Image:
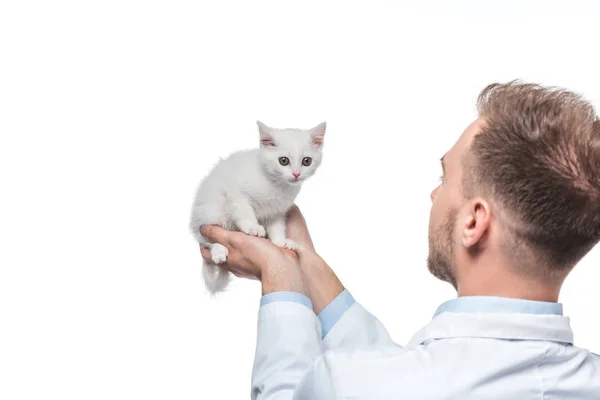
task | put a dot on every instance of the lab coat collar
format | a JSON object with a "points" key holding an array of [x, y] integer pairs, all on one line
{"points": [[495, 304], [498, 325]]}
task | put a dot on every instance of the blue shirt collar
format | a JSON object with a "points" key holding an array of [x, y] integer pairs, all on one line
{"points": [[492, 304]]}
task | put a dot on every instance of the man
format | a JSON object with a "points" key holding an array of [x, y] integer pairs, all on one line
{"points": [[518, 207]]}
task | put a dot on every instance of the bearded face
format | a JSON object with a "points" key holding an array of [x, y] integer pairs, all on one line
{"points": [[440, 261]]}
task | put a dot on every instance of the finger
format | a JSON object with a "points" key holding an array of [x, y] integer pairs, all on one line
{"points": [[238, 239], [238, 271], [243, 274], [206, 253], [233, 258], [291, 254], [297, 230], [215, 234], [237, 274], [236, 262]]}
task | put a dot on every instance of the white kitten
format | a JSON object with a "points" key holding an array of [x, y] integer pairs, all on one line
{"points": [[252, 191]]}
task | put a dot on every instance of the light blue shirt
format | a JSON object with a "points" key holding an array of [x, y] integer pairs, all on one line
{"points": [[492, 304], [332, 313]]}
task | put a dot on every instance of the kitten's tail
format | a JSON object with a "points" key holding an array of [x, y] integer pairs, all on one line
{"points": [[216, 279]]}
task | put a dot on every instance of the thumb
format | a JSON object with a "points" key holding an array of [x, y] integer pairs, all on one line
{"points": [[215, 234], [297, 230]]}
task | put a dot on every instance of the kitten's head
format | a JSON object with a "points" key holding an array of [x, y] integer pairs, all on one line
{"points": [[291, 155]]}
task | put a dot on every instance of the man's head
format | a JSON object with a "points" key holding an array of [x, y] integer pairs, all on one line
{"points": [[520, 195]]}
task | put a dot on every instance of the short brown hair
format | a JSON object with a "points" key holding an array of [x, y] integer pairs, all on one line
{"points": [[538, 157]]}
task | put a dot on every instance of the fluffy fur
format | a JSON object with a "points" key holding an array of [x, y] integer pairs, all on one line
{"points": [[252, 191]]}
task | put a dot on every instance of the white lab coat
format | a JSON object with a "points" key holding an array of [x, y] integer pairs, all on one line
{"points": [[456, 356]]}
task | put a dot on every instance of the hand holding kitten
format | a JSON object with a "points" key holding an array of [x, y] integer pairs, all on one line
{"points": [[278, 269], [257, 258]]}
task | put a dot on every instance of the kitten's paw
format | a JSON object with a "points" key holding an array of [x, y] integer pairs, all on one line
{"points": [[261, 231], [218, 253], [253, 230], [286, 243], [290, 244]]}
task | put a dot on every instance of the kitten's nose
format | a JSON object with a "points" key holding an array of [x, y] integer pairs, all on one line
{"points": [[296, 174]]}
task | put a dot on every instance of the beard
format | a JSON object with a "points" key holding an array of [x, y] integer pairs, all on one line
{"points": [[441, 254]]}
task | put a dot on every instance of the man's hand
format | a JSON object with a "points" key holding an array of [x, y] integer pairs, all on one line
{"points": [[257, 258], [321, 282], [303, 271], [297, 230]]}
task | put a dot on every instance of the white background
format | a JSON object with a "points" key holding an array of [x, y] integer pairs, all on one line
{"points": [[112, 111]]}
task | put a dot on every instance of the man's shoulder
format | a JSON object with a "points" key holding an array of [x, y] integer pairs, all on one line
{"points": [[348, 359], [394, 370], [437, 357], [377, 370], [595, 356]]}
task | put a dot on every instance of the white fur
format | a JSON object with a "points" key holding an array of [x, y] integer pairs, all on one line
{"points": [[251, 191]]}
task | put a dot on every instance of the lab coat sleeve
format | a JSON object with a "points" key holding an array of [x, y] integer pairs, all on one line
{"points": [[320, 383], [332, 313], [288, 344], [356, 327]]}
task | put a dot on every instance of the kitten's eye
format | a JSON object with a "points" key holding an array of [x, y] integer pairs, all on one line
{"points": [[284, 161], [306, 161]]}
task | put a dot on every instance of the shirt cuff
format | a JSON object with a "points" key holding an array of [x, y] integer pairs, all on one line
{"points": [[334, 311], [294, 297]]}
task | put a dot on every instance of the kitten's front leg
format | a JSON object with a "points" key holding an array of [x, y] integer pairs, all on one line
{"points": [[245, 219], [276, 232]]}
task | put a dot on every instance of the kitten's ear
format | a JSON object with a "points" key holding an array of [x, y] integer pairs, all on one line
{"points": [[318, 134], [266, 138]]}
